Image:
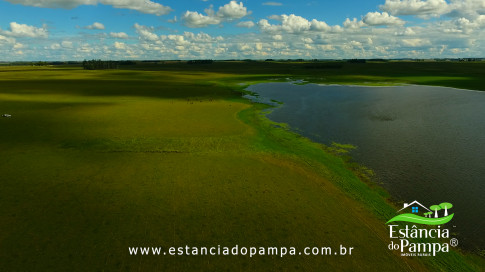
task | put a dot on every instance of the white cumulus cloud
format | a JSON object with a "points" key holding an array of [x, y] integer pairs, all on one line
{"points": [[145, 32], [119, 35], [95, 25], [55, 46], [17, 46], [277, 37], [470, 9], [326, 47], [353, 24], [6, 40], [67, 44], [228, 12], [144, 6], [377, 19], [322, 26], [416, 42], [23, 30], [406, 32], [232, 10], [195, 19], [295, 24], [289, 23], [416, 7], [120, 45], [247, 24], [464, 25]]}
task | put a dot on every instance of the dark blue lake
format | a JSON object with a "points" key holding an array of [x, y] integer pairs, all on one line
{"points": [[424, 143]]}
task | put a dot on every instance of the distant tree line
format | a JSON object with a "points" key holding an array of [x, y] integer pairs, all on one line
{"points": [[470, 59], [327, 65], [40, 63], [357, 61], [99, 64], [126, 62], [206, 61]]}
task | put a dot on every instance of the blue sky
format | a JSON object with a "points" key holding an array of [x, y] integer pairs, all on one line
{"points": [[225, 29]]}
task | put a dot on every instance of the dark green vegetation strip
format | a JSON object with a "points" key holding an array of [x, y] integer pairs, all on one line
{"points": [[466, 75], [93, 162]]}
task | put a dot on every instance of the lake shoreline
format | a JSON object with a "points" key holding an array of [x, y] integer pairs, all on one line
{"points": [[394, 200]]}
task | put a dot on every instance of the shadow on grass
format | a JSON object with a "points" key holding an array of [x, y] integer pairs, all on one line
{"points": [[118, 87]]}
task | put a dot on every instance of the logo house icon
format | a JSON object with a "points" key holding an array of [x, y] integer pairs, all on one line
{"points": [[415, 207], [411, 213]]}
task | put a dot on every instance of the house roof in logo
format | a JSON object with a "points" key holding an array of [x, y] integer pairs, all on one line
{"points": [[412, 203]]}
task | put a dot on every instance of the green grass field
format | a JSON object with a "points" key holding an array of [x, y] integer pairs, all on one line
{"points": [[94, 162]]}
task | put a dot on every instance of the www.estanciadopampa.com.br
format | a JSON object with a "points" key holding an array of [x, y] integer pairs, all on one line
{"points": [[240, 251]]}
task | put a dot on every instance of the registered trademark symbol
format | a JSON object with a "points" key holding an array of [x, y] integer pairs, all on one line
{"points": [[454, 242]]}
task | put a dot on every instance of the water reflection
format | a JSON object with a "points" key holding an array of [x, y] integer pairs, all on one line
{"points": [[424, 143]]}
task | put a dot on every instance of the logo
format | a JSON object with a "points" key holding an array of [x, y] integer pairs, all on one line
{"points": [[425, 239], [430, 218]]}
